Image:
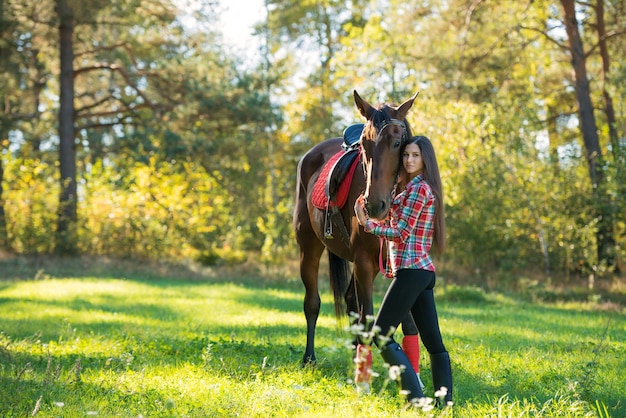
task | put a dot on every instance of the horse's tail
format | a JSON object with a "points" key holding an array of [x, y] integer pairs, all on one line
{"points": [[339, 270]]}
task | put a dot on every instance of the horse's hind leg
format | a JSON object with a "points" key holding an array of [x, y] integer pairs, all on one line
{"points": [[351, 299], [352, 308]]}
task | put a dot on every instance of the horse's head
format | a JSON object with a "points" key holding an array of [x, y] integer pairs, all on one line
{"points": [[384, 133]]}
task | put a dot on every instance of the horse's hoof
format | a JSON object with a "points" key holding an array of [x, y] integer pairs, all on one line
{"points": [[363, 388], [309, 361]]}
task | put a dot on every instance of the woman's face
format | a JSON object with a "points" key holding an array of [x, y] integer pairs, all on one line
{"points": [[412, 160]]}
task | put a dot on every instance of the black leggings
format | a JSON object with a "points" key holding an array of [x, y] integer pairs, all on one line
{"points": [[412, 290]]}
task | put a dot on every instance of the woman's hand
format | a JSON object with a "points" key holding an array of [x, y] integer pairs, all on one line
{"points": [[359, 210]]}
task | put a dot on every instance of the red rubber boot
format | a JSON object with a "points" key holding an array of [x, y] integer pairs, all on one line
{"points": [[411, 347]]}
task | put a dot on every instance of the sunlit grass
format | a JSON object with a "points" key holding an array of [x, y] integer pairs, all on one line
{"points": [[119, 347]]}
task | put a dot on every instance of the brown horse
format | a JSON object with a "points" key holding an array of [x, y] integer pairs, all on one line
{"points": [[385, 130]]}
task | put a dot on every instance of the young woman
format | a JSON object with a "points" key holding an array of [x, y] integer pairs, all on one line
{"points": [[416, 223]]}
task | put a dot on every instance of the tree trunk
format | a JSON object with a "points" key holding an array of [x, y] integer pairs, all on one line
{"points": [[606, 65], [66, 239], [619, 157], [4, 237], [4, 122], [604, 234], [553, 134]]}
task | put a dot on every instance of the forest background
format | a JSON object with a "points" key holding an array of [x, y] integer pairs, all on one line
{"points": [[127, 132]]}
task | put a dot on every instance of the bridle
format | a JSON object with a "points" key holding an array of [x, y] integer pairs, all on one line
{"points": [[380, 128], [387, 122]]}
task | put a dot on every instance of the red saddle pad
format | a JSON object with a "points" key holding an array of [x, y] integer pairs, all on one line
{"points": [[319, 197]]}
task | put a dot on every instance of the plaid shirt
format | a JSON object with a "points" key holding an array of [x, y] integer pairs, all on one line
{"points": [[409, 228]]}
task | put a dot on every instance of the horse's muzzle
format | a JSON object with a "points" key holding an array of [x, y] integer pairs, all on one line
{"points": [[377, 208]]}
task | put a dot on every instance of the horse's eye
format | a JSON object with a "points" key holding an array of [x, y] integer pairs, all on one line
{"points": [[396, 144]]}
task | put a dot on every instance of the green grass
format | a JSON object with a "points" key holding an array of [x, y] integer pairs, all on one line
{"points": [[79, 343]]}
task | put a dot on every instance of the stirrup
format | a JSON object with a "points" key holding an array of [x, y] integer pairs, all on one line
{"points": [[328, 225]]}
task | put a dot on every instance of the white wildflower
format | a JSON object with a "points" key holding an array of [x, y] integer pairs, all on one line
{"points": [[442, 392], [356, 328], [427, 408], [395, 372]]}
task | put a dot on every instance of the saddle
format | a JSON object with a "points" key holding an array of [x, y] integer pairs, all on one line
{"points": [[352, 136], [332, 187]]}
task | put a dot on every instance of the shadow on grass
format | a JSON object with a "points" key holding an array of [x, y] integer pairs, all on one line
{"points": [[37, 267]]}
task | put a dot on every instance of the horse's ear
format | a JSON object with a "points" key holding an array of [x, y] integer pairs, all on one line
{"points": [[404, 108], [364, 107]]}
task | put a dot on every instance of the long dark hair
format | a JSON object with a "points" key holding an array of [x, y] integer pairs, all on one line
{"points": [[432, 177]]}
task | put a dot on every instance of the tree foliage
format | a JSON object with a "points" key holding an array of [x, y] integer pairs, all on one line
{"points": [[184, 149]]}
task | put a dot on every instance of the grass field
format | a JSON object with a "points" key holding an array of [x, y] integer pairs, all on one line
{"points": [[114, 341]]}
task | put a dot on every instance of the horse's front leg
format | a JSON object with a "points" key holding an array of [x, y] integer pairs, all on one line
{"points": [[363, 288], [360, 300]]}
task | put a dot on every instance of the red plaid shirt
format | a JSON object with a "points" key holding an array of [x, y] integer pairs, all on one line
{"points": [[409, 228]]}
